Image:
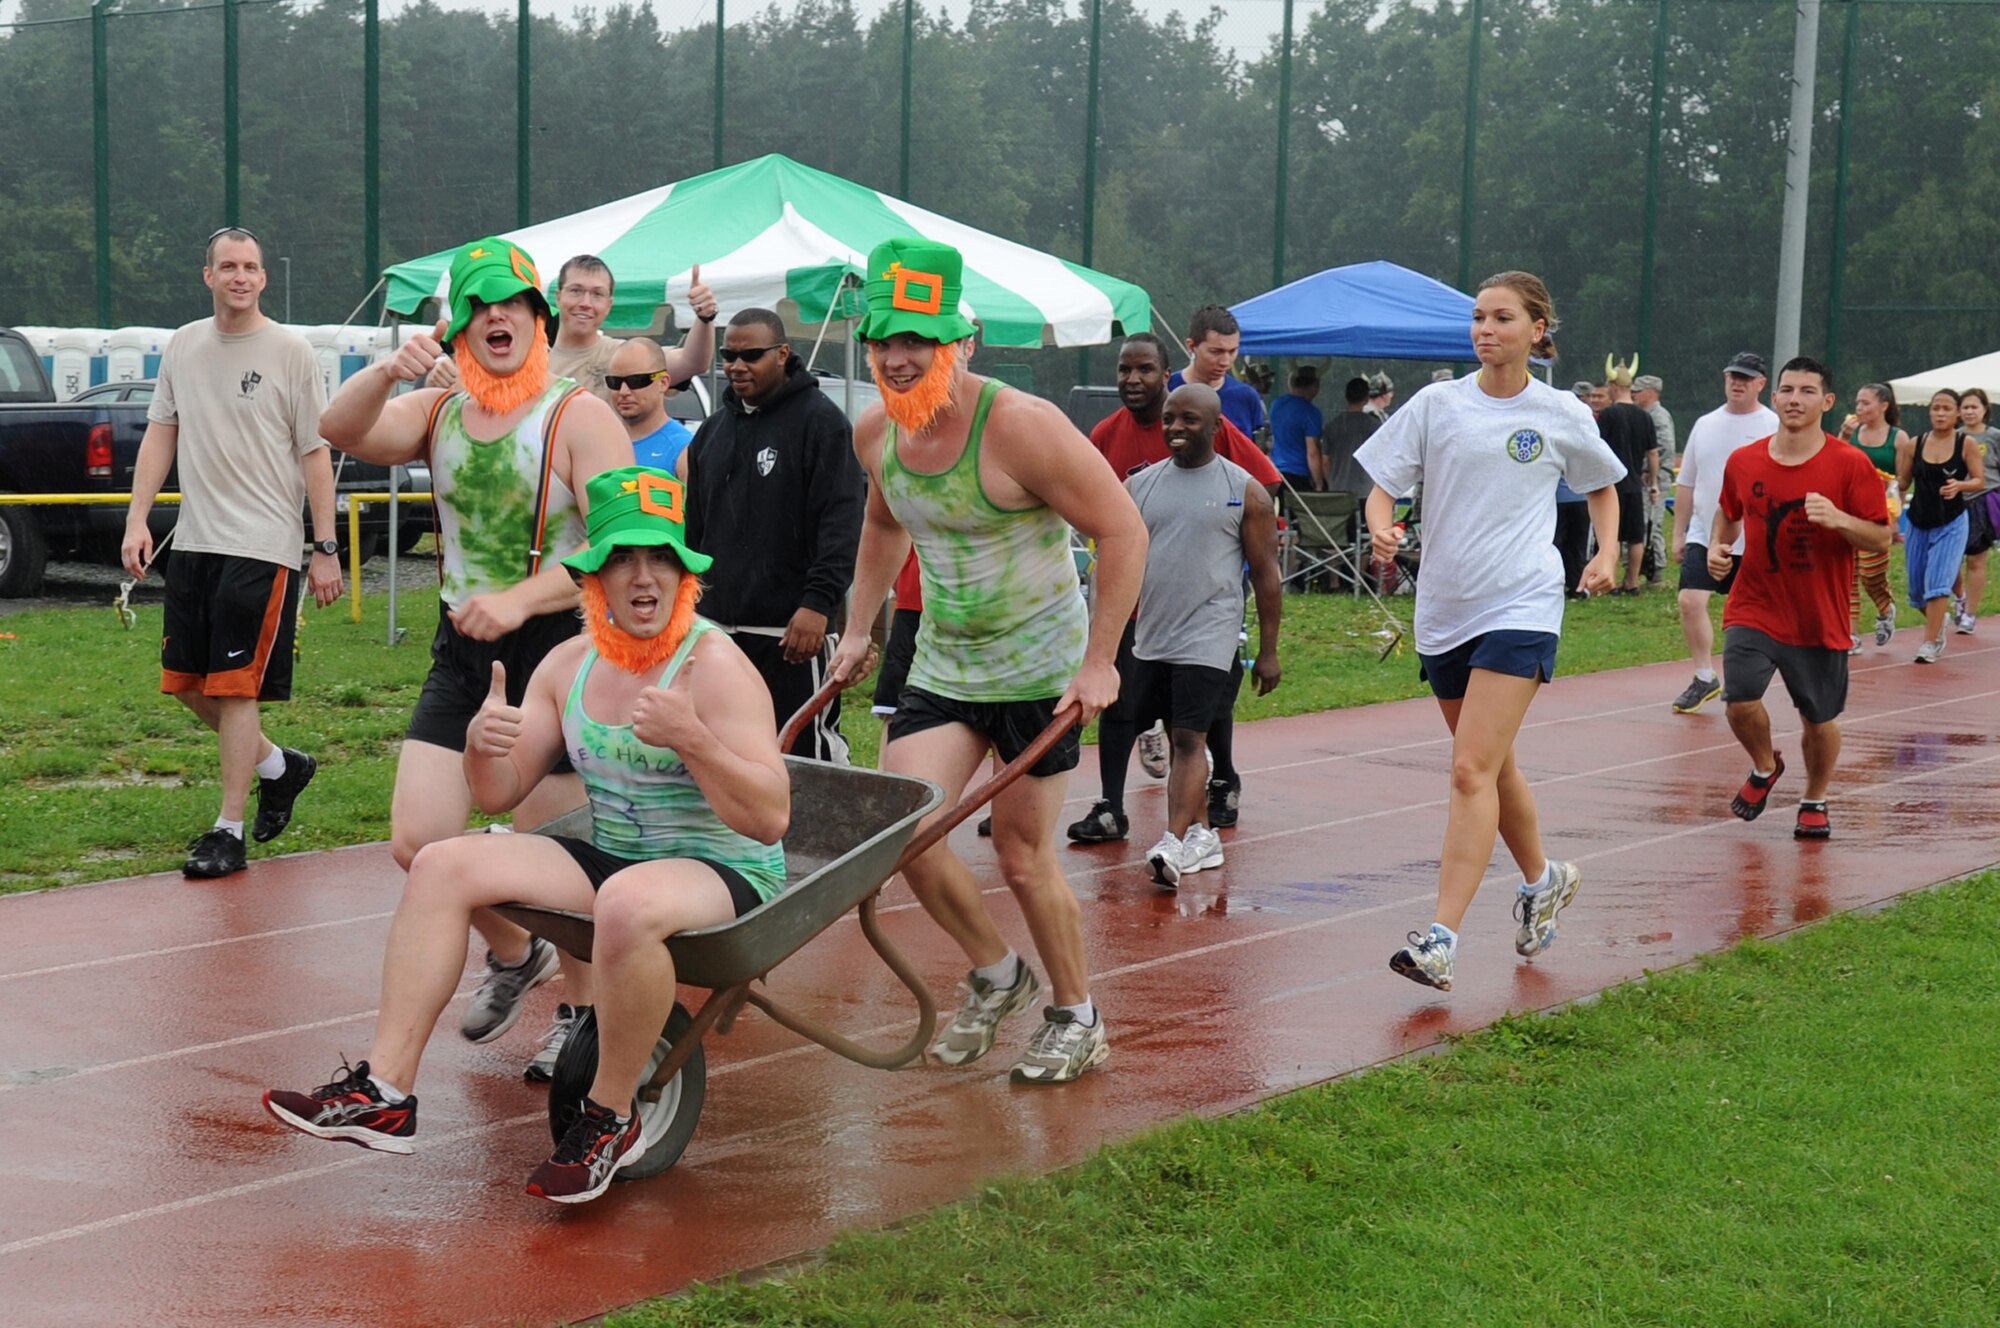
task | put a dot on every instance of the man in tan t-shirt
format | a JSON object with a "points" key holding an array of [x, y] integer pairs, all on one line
{"points": [[582, 352], [237, 407]]}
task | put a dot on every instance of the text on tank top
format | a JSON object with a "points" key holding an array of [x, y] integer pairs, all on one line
{"points": [[485, 493], [644, 803], [1004, 617]]}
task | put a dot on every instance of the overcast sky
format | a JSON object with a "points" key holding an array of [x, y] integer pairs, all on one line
{"points": [[1248, 25]]}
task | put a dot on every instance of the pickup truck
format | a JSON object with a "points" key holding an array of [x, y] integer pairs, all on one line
{"points": [[91, 445]]}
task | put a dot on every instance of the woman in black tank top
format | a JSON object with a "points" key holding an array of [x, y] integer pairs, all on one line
{"points": [[1975, 416], [1937, 471]]}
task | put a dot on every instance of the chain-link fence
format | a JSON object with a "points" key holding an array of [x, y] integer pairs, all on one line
{"points": [[1630, 151]]}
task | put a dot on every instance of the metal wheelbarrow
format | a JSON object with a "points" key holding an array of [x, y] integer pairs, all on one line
{"points": [[851, 830]]}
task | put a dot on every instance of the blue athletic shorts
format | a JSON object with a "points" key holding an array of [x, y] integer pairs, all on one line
{"points": [[1516, 654]]}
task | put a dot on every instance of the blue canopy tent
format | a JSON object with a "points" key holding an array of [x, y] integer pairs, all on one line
{"points": [[1364, 311]]}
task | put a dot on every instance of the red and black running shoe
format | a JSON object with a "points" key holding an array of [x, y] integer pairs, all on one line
{"points": [[351, 1108], [1813, 822], [597, 1145], [1756, 791]]}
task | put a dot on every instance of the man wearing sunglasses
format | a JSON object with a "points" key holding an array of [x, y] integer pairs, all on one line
{"points": [[637, 380], [774, 488], [582, 352], [249, 395]]}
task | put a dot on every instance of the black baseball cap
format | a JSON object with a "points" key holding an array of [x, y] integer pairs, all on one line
{"points": [[1747, 364]]}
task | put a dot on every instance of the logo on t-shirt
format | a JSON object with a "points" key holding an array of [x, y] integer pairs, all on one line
{"points": [[1524, 445], [250, 381], [767, 461]]}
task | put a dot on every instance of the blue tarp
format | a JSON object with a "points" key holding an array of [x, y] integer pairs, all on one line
{"points": [[1364, 311]]}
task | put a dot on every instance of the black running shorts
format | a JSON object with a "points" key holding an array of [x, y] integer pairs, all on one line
{"points": [[1186, 696], [1011, 726], [599, 867], [228, 626], [1815, 676], [1695, 574], [462, 674]]}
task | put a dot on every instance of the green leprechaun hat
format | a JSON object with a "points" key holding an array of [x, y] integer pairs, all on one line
{"points": [[489, 271], [914, 285], [635, 507]]}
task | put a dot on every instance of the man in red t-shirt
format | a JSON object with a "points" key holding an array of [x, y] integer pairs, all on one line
{"points": [[1130, 439], [1804, 502]]}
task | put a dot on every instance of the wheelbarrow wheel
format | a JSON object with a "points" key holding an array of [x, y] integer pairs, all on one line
{"points": [[666, 1124]]}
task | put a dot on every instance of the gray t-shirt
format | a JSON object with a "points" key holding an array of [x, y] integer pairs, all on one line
{"points": [[1191, 603], [1345, 433], [247, 407], [1489, 467]]}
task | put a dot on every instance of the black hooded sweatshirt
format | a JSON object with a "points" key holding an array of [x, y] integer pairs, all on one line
{"points": [[775, 496]]}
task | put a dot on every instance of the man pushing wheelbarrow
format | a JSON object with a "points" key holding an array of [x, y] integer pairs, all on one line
{"points": [[672, 731]]}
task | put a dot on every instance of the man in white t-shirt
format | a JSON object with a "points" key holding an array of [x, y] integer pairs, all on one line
{"points": [[1740, 420]]}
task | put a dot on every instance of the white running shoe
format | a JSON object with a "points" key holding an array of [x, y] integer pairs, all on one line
{"points": [[1201, 849], [1166, 859], [1153, 751], [1930, 651]]}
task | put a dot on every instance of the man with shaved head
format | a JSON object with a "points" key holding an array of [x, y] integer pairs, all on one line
{"points": [[637, 381], [1205, 518]]}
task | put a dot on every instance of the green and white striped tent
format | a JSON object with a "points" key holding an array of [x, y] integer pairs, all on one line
{"points": [[774, 234]]}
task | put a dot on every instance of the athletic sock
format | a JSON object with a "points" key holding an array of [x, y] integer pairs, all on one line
{"points": [[1086, 1014], [1772, 773], [1222, 746], [1002, 973], [1706, 675], [272, 766], [1817, 804], [1540, 882], [391, 1094], [233, 827], [1115, 740]]}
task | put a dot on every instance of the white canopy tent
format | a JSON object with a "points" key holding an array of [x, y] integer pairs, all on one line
{"points": [[1982, 371]]}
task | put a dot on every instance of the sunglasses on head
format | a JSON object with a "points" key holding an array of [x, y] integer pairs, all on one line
{"points": [[221, 231], [749, 355], [619, 382]]}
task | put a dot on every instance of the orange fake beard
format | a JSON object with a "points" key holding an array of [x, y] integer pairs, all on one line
{"points": [[917, 409], [634, 654], [503, 394]]}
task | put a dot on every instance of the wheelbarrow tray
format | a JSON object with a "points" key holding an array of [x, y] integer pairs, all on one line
{"points": [[848, 828]]}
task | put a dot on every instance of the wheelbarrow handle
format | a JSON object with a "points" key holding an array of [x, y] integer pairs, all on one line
{"points": [[1065, 719]]}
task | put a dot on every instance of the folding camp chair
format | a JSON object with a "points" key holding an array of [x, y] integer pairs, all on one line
{"points": [[1322, 539]]}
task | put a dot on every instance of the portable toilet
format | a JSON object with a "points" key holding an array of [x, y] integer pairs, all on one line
{"points": [[324, 338], [133, 353], [79, 360], [357, 347], [42, 340]]}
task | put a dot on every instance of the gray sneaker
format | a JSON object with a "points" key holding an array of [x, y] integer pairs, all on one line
{"points": [[497, 1003], [1061, 1049], [1426, 959], [1536, 909], [1885, 627], [1930, 651], [1153, 752], [542, 1069], [986, 1007], [1700, 692]]}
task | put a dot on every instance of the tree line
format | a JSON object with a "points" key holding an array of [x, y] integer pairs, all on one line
{"points": [[1187, 168]]}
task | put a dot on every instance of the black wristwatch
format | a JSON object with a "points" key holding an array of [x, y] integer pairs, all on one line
{"points": [[327, 546]]}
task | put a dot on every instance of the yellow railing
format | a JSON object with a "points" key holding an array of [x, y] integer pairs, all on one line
{"points": [[354, 502]]}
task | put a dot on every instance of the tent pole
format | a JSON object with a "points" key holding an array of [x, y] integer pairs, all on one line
{"points": [[847, 392]]}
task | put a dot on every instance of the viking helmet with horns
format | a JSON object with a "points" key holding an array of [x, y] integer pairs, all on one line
{"points": [[1620, 375]]}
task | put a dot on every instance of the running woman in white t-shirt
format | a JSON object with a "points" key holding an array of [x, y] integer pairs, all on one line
{"points": [[1488, 449]]}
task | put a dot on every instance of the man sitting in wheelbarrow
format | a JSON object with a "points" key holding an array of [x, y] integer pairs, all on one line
{"points": [[677, 746]]}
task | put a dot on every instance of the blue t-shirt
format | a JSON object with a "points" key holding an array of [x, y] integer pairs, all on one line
{"points": [[663, 446], [1240, 403], [1293, 420]]}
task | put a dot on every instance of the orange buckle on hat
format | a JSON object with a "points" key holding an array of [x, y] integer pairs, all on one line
{"points": [[650, 485], [900, 297], [518, 260]]}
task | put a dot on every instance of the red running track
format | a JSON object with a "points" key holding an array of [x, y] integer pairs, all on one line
{"points": [[144, 1184]]}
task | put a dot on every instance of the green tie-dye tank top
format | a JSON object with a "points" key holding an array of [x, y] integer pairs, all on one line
{"points": [[485, 499], [1004, 617], [644, 804]]}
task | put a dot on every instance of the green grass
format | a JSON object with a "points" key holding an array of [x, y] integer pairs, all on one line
{"points": [[1790, 1133], [101, 776]]}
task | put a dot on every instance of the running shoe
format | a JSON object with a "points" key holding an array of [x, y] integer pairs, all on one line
{"points": [[1153, 751], [1536, 908], [1885, 627], [1061, 1049], [216, 852], [978, 1022], [1201, 848], [1698, 694], [1225, 796], [590, 1154], [1930, 651], [1855, 648], [1957, 606], [497, 1003], [1748, 804], [1426, 959], [1100, 825], [276, 796], [1964, 624], [1165, 860], [1813, 822], [542, 1069], [351, 1109], [985, 828]]}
